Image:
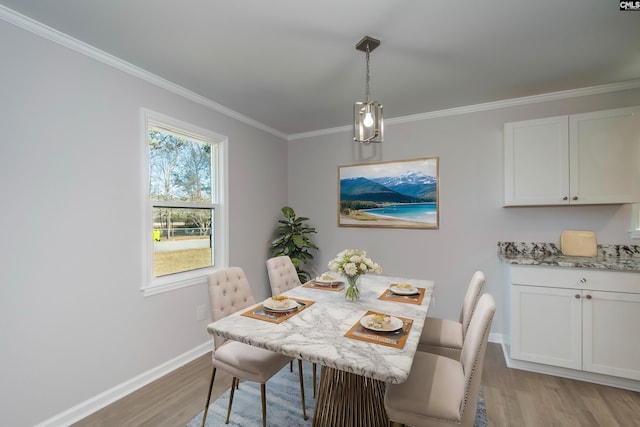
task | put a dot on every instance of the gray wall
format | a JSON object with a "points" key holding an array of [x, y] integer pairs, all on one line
{"points": [[472, 219], [73, 321]]}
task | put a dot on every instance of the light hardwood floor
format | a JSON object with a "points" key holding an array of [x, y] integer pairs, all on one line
{"points": [[513, 398]]}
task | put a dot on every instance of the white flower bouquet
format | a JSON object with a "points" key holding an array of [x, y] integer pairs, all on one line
{"points": [[352, 263]]}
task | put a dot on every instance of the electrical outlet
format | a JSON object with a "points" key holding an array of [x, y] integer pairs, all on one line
{"points": [[201, 312]]}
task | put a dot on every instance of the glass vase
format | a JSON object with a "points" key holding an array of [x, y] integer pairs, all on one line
{"points": [[352, 292]]}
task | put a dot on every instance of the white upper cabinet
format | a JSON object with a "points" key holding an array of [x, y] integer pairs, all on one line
{"points": [[590, 158], [604, 156], [536, 162]]}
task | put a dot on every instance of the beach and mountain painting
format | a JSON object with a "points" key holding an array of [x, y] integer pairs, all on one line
{"points": [[398, 194]]}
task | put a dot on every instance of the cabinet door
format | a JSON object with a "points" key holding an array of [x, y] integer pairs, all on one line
{"points": [[604, 156], [546, 325], [536, 159], [610, 333]]}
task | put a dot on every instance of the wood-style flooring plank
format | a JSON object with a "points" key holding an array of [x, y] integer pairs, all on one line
{"points": [[520, 398], [170, 401], [513, 398]]}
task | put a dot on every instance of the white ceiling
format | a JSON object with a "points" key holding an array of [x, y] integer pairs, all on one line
{"points": [[292, 64]]}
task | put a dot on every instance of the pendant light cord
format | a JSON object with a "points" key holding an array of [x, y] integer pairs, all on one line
{"points": [[367, 73]]}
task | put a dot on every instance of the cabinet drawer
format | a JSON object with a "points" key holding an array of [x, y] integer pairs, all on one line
{"points": [[576, 278]]}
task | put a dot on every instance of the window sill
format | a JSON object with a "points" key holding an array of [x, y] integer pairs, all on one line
{"points": [[171, 283]]}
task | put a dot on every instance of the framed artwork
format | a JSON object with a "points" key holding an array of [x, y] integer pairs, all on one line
{"points": [[397, 194]]}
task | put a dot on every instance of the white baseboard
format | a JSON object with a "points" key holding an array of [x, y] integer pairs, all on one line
{"points": [[88, 407], [496, 338]]}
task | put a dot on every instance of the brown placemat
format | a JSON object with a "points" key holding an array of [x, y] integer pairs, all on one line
{"points": [[391, 339], [335, 286], [261, 313], [409, 299]]}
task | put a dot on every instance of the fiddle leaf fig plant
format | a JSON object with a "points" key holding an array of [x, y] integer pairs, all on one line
{"points": [[294, 241]]}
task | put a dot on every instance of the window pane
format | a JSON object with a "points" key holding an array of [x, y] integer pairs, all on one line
{"points": [[182, 240], [179, 167]]}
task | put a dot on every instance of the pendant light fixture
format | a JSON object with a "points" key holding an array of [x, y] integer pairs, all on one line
{"points": [[368, 125]]}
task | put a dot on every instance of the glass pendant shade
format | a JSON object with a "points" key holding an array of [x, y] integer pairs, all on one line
{"points": [[367, 116], [368, 125]]}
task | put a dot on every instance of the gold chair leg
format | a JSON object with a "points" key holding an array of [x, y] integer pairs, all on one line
{"points": [[234, 384], [264, 404], [206, 406], [304, 409], [314, 380]]}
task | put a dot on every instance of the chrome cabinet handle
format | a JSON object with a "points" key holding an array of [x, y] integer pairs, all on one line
{"points": [[583, 280]]}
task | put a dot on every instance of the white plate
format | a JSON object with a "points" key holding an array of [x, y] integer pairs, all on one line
{"points": [[274, 305], [393, 324], [319, 280], [404, 291]]}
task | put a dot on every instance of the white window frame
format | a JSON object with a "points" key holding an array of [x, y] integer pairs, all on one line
{"points": [[220, 229], [635, 221]]}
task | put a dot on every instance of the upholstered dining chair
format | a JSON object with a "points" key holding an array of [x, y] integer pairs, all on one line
{"points": [[441, 391], [282, 277], [445, 337], [229, 292]]}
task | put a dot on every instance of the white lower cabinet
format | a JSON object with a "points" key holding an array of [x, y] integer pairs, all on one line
{"points": [[610, 335], [586, 320], [546, 326]]}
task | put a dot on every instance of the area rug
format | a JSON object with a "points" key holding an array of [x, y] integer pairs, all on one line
{"points": [[283, 403]]}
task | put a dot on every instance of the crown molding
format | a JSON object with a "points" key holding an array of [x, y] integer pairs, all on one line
{"points": [[69, 42], [65, 40], [546, 97]]}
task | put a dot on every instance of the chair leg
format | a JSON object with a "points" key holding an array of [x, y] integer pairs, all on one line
{"points": [[264, 404], [234, 384], [206, 406], [314, 380], [291, 366], [304, 409]]}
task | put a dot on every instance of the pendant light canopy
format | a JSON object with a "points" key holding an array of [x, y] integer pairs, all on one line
{"points": [[368, 125]]}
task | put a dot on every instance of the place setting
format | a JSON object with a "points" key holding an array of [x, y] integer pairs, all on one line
{"points": [[403, 292], [278, 308], [326, 281], [382, 329]]}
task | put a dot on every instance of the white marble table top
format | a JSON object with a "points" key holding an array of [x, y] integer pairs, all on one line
{"points": [[317, 333]]}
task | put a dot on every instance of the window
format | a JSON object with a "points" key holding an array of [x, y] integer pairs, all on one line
{"points": [[635, 221], [185, 182]]}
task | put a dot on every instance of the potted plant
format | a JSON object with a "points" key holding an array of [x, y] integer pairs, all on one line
{"points": [[294, 241]]}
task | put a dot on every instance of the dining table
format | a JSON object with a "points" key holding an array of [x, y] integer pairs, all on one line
{"points": [[358, 358]]}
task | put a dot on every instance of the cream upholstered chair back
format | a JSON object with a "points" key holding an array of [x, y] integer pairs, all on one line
{"points": [[229, 291], [282, 277], [282, 274], [473, 353], [471, 299]]}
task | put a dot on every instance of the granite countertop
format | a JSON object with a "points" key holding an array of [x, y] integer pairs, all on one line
{"points": [[610, 257]]}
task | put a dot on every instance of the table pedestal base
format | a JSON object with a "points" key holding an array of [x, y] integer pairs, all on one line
{"points": [[349, 400]]}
